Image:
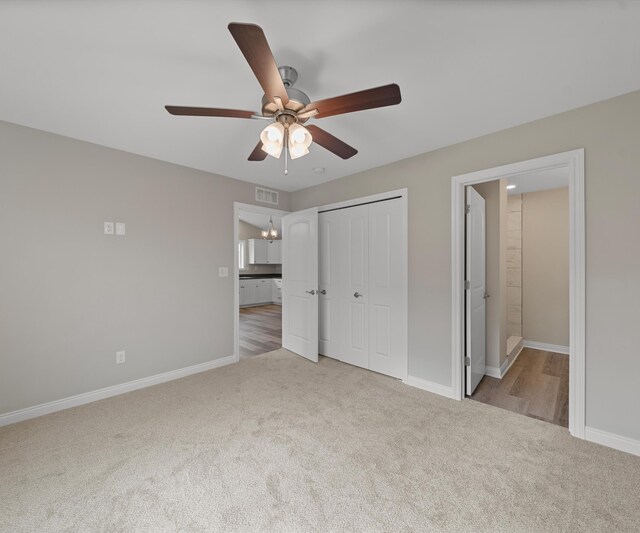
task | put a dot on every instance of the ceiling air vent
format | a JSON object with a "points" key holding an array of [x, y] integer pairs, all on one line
{"points": [[266, 196]]}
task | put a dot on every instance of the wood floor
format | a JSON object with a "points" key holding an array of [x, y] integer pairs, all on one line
{"points": [[537, 385], [260, 329]]}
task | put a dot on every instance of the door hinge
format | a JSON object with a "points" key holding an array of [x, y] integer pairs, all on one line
{"points": [[467, 208], [467, 361], [467, 285]]}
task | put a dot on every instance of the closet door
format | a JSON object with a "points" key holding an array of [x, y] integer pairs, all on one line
{"points": [[355, 331], [386, 293], [330, 281]]}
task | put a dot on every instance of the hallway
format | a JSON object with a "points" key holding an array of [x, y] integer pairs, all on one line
{"points": [[537, 385], [260, 329]]}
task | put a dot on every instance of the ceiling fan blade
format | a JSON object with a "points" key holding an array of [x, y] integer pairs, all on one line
{"points": [[258, 153], [331, 143], [308, 114], [367, 99], [255, 48], [208, 112]]}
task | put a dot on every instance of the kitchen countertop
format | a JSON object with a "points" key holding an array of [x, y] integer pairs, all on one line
{"points": [[260, 276]]}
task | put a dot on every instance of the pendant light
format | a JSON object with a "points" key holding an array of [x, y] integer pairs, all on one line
{"points": [[270, 233]]}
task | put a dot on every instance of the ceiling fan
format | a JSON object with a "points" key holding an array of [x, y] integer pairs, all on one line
{"points": [[288, 108]]}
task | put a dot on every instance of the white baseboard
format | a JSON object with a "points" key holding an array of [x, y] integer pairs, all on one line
{"points": [[509, 362], [107, 392], [612, 440], [546, 347], [430, 386], [495, 372]]}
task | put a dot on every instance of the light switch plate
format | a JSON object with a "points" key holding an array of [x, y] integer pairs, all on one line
{"points": [[108, 228], [223, 272], [120, 357], [120, 229]]}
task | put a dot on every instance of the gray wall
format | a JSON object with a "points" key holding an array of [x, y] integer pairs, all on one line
{"points": [[609, 131], [545, 266], [71, 296]]}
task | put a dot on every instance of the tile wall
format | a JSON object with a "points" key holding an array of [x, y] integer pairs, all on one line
{"points": [[514, 266]]}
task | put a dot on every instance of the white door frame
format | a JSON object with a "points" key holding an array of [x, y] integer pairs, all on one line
{"points": [[574, 162], [237, 207], [403, 195]]}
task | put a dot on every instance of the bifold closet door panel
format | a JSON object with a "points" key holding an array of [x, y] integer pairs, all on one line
{"points": [[331, 278], [355, 330], [386, 298]]}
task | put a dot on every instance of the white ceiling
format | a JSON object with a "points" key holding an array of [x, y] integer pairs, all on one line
{"points": [[101, 71], [539, 181]]}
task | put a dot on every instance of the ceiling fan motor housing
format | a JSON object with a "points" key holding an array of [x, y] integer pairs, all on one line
{"points": [[289, 75], [297, 99]]}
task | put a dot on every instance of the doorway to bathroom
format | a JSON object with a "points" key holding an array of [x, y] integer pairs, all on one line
{"points": [[518, 256]]}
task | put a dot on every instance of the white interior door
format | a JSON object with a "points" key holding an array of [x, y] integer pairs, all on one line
{"points": [[356, 331], [386, 293], [475, 293], [330, 282], [300, 283]]}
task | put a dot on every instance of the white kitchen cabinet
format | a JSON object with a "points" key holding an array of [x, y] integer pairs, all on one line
{"points": [[248, 292], [276, 291], [263, 252], [260, 291], [274, 252], [257, 251], [264, 291]]}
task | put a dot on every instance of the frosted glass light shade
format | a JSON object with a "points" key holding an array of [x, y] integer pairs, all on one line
{"points": [[272, 138], [299, 135], [298, 150]]}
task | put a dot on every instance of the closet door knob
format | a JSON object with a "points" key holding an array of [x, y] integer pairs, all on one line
{"points": [[323, 291], [311, 292], [358, 295]]}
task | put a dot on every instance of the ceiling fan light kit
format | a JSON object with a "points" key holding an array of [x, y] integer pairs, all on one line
{"points": [[288, 107]]}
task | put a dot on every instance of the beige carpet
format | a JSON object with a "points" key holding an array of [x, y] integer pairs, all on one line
{"points": [[276, 443]]}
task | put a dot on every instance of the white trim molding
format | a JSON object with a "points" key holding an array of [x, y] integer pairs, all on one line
{"points": [[612, 440], [573, 161], [495, 372], [556, 348], [430, 386], [108, 392]]}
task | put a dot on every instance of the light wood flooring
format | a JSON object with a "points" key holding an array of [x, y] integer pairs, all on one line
{"points": [[260, 329], [537, 385]]}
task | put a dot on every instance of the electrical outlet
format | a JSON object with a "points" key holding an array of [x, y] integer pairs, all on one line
{"points": [[120, 228], [120, 358], [108, 228]]}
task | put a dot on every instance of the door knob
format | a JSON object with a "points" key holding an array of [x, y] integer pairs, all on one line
{"points": [[311, 292], [358, 295], [323, 291], [486, 295]]}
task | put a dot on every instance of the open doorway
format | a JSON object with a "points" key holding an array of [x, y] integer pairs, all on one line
{"points": [[518, 311], [258, 272], [518, 257]]}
